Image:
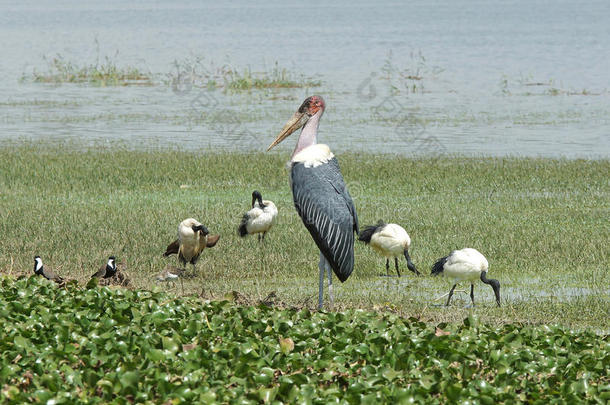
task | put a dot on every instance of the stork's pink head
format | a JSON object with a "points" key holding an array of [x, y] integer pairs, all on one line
{"points": [[311, 106]]}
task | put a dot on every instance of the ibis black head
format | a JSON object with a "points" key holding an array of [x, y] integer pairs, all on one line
{"points": [[495, 284], [200, 228], [256, 196], [410, 264]]}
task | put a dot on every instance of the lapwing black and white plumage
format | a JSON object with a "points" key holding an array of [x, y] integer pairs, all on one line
{"points": [[46, 272], [320, 195], [193, 238], [390, 241], [108, 270], [466, 265], [259, 219]]}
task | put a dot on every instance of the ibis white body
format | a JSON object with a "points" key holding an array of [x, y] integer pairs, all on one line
{"points": [[261, 219], [465, 265], [390, 241]]}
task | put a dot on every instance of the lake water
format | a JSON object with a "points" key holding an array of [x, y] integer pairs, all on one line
{"points": [[493, 77]]}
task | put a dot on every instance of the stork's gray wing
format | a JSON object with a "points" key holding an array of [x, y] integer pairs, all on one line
{"points": [[328, 212]]}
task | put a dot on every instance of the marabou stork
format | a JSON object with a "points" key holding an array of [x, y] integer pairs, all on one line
{"points": [[108, 270], [193, 238], [389, 240], [320, 195], [259, 219], [46, 272], [466, 265]]}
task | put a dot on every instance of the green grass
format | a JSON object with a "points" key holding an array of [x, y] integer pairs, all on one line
{"points": [[102, 345], [277, 78], [541, 223], [102, 74], [108, 73]]}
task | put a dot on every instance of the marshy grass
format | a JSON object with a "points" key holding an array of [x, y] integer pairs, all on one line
{"points": [[197, 72], [191, 72], [278, 78], [541, 223], [529, 86], [107, 73]]}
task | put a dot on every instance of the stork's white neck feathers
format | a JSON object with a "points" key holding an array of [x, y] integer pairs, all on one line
{"points": [[313, 156]]}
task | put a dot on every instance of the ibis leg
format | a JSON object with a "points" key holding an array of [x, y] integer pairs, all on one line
{"points": [[387, 267], [472, 293], [259, 237], [450, 294], [396, 264], [321, 266]]}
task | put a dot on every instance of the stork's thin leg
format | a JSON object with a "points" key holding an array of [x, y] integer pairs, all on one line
{"points": [[450, 294], [472, 293], [330, 285], [263, 238], [259, 237], [387, 267], [396, 264], [321, 266]]}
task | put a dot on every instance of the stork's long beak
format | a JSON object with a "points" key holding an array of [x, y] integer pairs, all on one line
{"points": [[297, 121]]}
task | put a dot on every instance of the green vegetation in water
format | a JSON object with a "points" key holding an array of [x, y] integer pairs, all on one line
{"points": [[408, 79], [530, 86], [277, 78], [195, 71], [191, 72], [99, 345], [107, 73], [541, 223]]}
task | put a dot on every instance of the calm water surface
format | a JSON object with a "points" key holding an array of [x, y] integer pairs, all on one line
{"points": [[494, 78]]}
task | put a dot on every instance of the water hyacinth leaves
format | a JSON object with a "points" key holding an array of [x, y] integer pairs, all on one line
{"points": [[145, 346]]}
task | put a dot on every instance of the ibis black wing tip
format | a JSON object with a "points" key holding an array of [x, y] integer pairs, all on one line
{"points": [[242, 230], [439, 266]]}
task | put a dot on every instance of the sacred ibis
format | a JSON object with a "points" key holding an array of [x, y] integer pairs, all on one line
{"points": [[389, 240], [193, 238], [259, 219], [320, 195], [466, 265]]}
